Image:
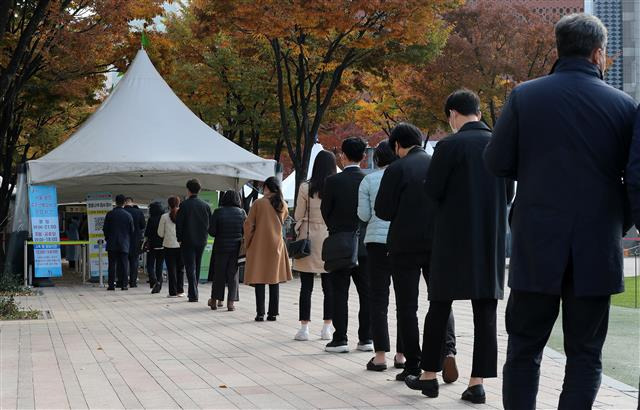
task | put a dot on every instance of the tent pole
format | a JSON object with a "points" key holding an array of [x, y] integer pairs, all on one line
{"points": [[100, 263], [26, 262]]}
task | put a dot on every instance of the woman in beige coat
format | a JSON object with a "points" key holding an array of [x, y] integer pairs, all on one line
{"points": [[309, 224], [267, 258]]}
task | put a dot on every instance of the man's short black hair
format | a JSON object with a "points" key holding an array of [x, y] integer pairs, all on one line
{"points": [[577, 35], [128, 199], [120, 200], [193, 185], [465, 101], [353, 148], [406, 135]]}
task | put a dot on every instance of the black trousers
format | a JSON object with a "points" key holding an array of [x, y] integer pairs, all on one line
{"points": [[118, 265], [407, 270], [192, 258], [175, 270], [155, 260], [134, 263], [485, 337], [274, 299], [379, 264], [225, 272], [340, 282], [306, 289], [529, 321]]}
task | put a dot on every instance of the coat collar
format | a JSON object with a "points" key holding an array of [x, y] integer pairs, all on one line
{"points": [[351, 168], [474, 125], [415, 150], [576, 64]]}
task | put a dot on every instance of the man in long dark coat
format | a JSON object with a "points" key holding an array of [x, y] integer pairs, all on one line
{"points": [[118, 229], [565, 138], [468, 252], [139, 224], [402, 200]]}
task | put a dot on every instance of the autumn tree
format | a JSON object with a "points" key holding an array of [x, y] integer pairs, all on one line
{"points": [[316, 44], [53, 54], [228, 83], [492, 48]]}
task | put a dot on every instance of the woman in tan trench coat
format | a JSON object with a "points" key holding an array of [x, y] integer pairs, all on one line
{"points": [[309, 224], [267, 258]]}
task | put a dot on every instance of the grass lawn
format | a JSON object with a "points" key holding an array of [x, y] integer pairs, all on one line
{"points": [[628, 297], [621, 351]]}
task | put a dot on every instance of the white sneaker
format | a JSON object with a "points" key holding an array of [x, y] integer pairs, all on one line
{"points": [[366, 346], [327, 332], [302, 335], [334, 347]]}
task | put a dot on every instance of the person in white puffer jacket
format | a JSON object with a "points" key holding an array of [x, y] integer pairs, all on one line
{"points": [[380, 271]]}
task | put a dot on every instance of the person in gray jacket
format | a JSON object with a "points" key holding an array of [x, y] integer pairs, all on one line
{"points": [[380, 271]]}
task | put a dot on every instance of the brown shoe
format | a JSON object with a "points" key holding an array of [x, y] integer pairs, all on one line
{"points": [[449, 369], [209, 302]]}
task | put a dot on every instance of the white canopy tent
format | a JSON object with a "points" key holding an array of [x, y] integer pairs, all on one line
{"points": [[144, 142], [289, 183]]}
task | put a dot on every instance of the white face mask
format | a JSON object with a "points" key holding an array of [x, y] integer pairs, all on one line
{"points": [[453, 129]]}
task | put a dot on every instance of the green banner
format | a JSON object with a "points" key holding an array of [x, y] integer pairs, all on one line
{"points": [[210, 197]]}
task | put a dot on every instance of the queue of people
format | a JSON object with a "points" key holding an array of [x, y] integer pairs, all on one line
{"points": [[442, 218]]}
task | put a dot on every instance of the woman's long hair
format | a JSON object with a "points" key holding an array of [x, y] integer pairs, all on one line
{"points": [[383, 155], [231, 198], [174, 205], [276, 199], [324, 166]]}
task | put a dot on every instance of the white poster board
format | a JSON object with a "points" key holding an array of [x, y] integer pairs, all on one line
{"points": [[98, 204]]}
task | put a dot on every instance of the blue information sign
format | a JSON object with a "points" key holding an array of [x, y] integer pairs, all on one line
{"points": [[43, 208]]}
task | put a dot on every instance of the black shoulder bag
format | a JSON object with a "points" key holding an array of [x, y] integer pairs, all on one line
{"points": [[302, 247]]}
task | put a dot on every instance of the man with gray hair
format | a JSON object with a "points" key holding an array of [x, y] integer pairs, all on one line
{"points": [[565, 138]]}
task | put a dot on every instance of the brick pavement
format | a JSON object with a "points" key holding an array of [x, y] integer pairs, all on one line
{"points": [[135, 350]]}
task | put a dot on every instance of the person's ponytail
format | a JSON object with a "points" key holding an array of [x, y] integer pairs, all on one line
{"points": [[174, 206], [276, 199]]}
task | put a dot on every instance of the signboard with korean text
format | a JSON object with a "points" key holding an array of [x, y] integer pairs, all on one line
{"points": [[98, 204], [43, 209]]}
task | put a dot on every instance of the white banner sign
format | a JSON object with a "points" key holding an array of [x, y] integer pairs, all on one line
{"points": [[98, 204]]}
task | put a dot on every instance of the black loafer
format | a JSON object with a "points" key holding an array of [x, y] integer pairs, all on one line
{"points": [[259, 318], [398, 365], [429, 388], [156, 288], [376, 367], [111, 288], [407, 372], [271, 318], [475, 394]]}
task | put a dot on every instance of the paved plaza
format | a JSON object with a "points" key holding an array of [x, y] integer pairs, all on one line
{"points": [[99, 349]]}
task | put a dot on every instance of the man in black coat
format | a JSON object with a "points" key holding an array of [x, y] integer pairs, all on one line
{"points": [[565, 139], [402, 200], [192, 224], [468, 252], [134, 249], [118, 230], [339, 209]]}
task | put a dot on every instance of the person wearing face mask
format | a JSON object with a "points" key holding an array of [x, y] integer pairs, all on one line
{"points": [[468, 199], [565, 139], [402, 200]]}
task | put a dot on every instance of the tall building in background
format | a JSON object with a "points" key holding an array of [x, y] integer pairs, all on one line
{"points": [[552, 10], [622, 18], [631, 48]]}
